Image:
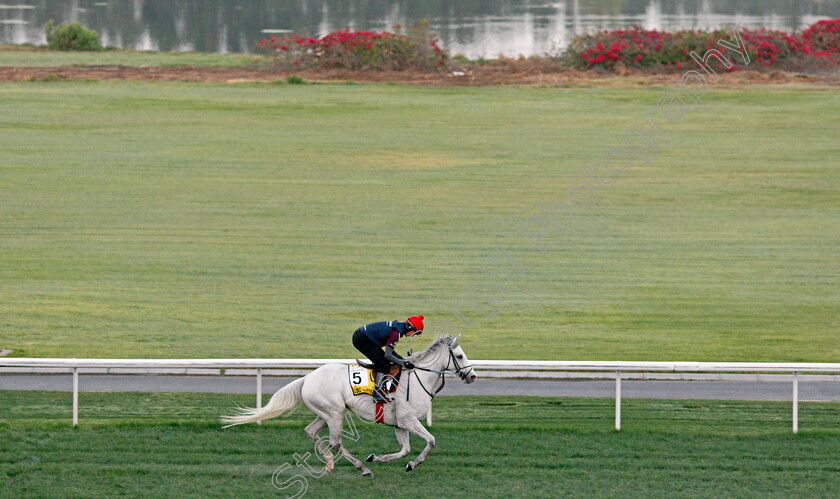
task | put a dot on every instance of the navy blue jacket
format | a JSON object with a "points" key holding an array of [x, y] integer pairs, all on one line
{"points": [[378, 332]]}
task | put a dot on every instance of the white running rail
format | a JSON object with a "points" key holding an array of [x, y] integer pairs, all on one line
{"points": [[513, 369]]}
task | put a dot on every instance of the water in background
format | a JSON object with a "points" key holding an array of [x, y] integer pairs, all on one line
{"points": [[475, 28]]}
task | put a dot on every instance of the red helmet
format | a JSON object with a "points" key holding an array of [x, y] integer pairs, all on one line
{"points": [[416, 321]]}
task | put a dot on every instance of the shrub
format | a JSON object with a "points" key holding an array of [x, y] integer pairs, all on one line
{"points": [[817, 46], [71, 36], [358, 50], [639, 48], [824, 36]]}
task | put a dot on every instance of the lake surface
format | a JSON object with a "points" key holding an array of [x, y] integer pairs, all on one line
{"points": [[476, 28]]}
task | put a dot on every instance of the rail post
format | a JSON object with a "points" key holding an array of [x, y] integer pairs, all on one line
{"points": [[75, 396], [618, 400], [795, 402], [259, 390]]}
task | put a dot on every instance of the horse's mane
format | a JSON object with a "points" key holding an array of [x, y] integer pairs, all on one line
{"points": [[439, 342]]}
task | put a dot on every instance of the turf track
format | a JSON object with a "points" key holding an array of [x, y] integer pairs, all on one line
{"points": [[266, 220], [171, 444]]}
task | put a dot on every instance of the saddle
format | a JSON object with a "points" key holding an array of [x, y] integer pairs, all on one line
{"points": [[395, 369]]}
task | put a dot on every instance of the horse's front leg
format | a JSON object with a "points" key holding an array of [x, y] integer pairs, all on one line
{"points": [[402, 438], [417, 428]]}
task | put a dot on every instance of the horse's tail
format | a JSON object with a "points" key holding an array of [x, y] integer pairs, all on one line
{"points": [[286, 399]]}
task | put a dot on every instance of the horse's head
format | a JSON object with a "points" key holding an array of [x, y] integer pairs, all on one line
{"points": [[458, 361]]}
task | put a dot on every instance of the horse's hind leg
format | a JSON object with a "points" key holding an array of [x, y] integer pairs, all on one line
{"points": [[312, 431], [336, 425], [402, 438], [356, 462], [314, 428]]}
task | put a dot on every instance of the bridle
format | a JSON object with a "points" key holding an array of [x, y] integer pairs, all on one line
{"points": [[452, 360], [458, 369]]}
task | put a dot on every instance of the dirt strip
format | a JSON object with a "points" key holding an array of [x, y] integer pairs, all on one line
{"points": [[490, 75]]}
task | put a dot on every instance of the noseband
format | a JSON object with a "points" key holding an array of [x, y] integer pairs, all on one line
{"points": [[458, 369]]}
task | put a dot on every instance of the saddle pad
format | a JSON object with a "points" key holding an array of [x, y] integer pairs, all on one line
{"points": [[362, 380]]}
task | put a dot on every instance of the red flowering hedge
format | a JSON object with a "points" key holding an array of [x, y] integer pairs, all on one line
{"points": [[824, 36], [818, 46], [359, 50]]}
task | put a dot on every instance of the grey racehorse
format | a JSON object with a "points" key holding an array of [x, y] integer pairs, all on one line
{"points": [[326, 391]]}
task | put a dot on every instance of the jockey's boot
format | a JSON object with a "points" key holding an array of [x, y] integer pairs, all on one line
{"points": [[379, 391]]}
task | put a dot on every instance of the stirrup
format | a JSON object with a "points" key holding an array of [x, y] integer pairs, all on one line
{"points": [[379, 397], [379, 393]]}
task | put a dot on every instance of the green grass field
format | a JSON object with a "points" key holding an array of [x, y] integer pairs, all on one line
{"points": [[156, 445], [271, 220]]}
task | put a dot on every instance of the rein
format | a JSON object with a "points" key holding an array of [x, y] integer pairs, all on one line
{"points": [[446, 370], [442, 374], [430, 394]]}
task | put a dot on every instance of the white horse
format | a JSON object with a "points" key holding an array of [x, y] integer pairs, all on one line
{"points": [[326, 391]]}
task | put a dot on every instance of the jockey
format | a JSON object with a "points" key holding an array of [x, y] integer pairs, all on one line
{"points": [[371, 338]]}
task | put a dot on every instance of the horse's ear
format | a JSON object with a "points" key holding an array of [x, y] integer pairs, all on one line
{"points": [[456, 339]]}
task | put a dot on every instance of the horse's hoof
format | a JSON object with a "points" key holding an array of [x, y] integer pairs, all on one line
{"points": [[367, 473], [370, 458], [409, 466]]}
